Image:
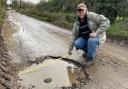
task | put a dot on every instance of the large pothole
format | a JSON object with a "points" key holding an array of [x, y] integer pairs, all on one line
{"points": [[48, 73]]}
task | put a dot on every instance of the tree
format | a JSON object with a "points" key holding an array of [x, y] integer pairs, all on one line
{"points": [[109, 8], [2, 3]]}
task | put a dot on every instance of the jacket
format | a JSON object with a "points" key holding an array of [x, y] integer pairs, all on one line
{"points": [[97, 23]]}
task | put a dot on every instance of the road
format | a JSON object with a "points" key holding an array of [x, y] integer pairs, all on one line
{"points": [[29, 38]]}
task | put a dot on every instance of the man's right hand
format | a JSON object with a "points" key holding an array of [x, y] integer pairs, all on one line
{"points": [[69, 52]]}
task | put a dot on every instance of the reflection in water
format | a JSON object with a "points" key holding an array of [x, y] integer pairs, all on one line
{"points": [[71, 74]]}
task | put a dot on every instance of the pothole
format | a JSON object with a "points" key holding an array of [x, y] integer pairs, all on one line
{"points": [[49, 73]]}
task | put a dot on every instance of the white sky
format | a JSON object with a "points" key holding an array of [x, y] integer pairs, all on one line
{"points": [[8, 2], [33, 1]]}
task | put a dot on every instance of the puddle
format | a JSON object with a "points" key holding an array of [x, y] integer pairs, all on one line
{"points": [[59, 72]]}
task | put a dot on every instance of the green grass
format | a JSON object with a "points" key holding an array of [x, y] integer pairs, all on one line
{"points": [[116, 31], [2, 14]]}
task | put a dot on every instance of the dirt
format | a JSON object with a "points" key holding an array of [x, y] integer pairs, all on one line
{"points": [[31, 44], [8, 70]]}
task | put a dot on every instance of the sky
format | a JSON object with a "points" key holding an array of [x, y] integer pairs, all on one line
{"points": [[8, 2], [33, 1]]}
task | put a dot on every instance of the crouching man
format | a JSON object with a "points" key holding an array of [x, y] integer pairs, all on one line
{"points": [[88, 32]]}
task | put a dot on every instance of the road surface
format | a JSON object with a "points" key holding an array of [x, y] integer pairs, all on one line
{"points": [[29, 38]]}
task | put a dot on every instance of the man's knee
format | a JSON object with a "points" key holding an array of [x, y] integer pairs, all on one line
{"points": [[92, 42], [78, 44]]}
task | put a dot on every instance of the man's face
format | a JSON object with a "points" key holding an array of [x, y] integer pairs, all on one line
{"points": [[82, 12]]}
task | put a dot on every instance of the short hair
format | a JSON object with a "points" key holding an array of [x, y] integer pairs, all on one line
{"points": [[81, 5]]}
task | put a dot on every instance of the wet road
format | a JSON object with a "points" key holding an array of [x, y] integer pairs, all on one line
{"points": [[34, 38], [31, 38]]}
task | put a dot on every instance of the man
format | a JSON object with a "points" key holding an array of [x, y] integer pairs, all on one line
{"points": [[88, 32]]}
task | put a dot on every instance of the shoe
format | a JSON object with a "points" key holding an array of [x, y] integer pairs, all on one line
{"points": [[84, 55], [87, 63]]}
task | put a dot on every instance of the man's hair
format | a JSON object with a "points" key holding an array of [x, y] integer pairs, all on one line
{"points": [[81, 5]]}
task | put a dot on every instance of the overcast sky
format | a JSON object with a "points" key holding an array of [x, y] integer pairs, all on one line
{"points": [[8, 2], [33, 1]]}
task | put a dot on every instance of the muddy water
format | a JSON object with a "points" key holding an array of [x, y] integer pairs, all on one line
{"points": [[60, 72]]}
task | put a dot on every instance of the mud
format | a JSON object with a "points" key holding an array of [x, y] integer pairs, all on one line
{"points": [[8, 70]]}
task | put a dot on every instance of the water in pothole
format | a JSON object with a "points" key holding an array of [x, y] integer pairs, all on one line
{"points": [[49, 75]]}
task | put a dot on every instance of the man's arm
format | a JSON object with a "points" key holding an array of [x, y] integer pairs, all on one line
{"points": [[73, 37], [103, 22]]}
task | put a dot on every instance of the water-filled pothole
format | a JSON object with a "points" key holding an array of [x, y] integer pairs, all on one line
{"points": [[53, 74]]}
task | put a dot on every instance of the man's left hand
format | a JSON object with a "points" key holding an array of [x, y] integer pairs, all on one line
{"points": [[93, 34]]}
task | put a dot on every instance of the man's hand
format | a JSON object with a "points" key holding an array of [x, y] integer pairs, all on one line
{"points": [[69, 52], [93, 34]]}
